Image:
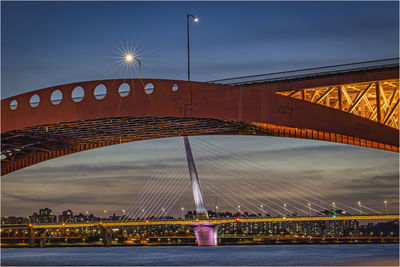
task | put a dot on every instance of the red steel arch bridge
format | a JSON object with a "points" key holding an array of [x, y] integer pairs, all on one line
{"points": [[346, 104]]}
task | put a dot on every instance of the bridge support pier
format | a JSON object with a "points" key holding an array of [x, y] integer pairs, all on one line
{"points": [[107, 236], [31, 233], [206, 235], [43, 240]]}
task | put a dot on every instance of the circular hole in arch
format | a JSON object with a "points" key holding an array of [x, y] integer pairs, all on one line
{"points": [[77, 94], [13, 104], [100, 91], [34, 101], [56, 97], [149, 88], [124, 89], [175, 87]]}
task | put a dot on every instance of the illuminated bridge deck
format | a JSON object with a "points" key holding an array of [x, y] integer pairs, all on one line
{"points": [[212, 221]]}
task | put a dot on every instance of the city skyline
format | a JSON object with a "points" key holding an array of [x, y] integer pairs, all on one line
{"points": [[88, 230], [231, 39]]}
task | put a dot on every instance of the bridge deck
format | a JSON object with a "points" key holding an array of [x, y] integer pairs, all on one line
{"points": [[212, 221]]}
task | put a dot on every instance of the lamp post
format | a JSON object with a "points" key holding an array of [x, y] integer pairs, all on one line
{"points": [[386, 206], [359, 206], [140, 68], [141, 214], [162, 212], [195, 19], [130, 58], [334, 207]]}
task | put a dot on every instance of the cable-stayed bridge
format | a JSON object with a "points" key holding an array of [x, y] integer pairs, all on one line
{"points": [[255, 201]]}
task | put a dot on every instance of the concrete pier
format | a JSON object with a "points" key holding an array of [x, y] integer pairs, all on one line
{"points": [[31, 233], [206, 235], [107, 236]]}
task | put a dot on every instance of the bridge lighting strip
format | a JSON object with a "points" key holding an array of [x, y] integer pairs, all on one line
{"points": [[216, 221]]}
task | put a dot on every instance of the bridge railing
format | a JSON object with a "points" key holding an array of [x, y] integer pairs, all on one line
{"points": [[310, 72]]}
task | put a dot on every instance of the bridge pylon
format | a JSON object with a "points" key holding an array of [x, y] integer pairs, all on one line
{"points": [[206, 234], [201, 212]]}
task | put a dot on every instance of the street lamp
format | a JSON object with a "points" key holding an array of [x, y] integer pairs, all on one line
{"points": [[359, 206], [162, 213], [183, 212], [386, 206], [195, 19], [309, 207], [130, 58], [142, 213], [261, 208]]}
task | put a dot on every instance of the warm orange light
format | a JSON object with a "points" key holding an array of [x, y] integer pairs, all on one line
{"points": [[196, 19]]}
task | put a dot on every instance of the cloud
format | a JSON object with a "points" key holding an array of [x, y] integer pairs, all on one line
{"points": [[254, 172]]}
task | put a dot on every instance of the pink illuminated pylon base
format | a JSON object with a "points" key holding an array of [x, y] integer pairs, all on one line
{"points": [[206, 235]]}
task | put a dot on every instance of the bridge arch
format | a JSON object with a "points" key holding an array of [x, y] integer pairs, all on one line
{"points": [[156, 108]]}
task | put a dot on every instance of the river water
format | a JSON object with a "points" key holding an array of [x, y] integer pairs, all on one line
{"points": [[278, 255]]}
